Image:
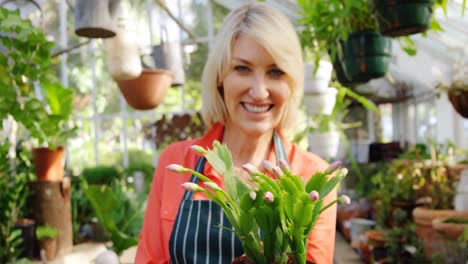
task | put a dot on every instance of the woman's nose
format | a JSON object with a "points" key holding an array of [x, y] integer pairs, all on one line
{"points": [[259, 90]]}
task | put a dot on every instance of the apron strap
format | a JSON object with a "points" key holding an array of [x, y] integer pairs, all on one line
{"points": [[198, 168], [280, 152]]}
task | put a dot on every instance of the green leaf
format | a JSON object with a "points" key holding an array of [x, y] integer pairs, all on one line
{"points": [[316, 182]]}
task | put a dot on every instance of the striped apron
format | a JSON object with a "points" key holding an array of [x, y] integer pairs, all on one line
{"points": [[196, 236]]}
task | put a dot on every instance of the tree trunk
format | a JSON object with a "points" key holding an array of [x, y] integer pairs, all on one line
{"points": [[51, 205]]}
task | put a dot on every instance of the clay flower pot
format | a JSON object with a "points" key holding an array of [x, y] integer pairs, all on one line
{"points": [[450, 231], [49, 163], [148, 90]]}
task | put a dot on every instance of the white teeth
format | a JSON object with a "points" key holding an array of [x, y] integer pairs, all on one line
{"points": [[256, 109]]}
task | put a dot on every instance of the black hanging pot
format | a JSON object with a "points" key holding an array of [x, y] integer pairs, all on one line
{"points": [[95, 19], [365, 55], [459, 100], [28, 245], [403, 17]]}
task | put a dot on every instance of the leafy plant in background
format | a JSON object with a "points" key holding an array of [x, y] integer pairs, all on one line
{"points": [[46, 232], [284, 210], [101, 175], [12, 199], [117, 211], [26, 63]]}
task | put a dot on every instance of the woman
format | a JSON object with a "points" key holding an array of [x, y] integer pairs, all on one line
{"points": [[252, 90]]}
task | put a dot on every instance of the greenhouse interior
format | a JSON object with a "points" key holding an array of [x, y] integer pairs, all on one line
{"points": [[93, 93]]}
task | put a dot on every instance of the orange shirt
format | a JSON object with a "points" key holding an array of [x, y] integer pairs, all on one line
{"points": [[166, 194]]}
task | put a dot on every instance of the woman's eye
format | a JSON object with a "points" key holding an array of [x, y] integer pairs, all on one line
{"points": [[275, 73], [241, 69]]}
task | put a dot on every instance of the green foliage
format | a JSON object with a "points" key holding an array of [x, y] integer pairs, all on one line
{"points": [[12, 199], [284, 210], [46, 232], [120, 214], [26, 62], [102, 175], [326, 23]]}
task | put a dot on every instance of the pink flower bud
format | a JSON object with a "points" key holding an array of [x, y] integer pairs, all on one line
{"points": [[253, 195], [199, 149], [251, 169], [344, 199], [277, 171], [284, 166], [314, 196], [176, 168], [190, 186], [269, 197], [267, 165], [212, 185], [333, 167]]}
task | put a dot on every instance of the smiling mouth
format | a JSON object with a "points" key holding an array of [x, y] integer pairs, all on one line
{"points": [[256, 108]]}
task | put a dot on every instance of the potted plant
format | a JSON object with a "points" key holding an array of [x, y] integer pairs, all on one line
{"points": [[26, 64], [453, 231], [349, 33], [284, 209], [325, 131], [47, 236]]}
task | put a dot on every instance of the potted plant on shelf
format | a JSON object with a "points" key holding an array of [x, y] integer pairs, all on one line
{"points": [[47, 236], [349, 33], [284, 209]]}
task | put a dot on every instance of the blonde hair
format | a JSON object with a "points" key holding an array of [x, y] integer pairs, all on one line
{"points": [[272, 30]]}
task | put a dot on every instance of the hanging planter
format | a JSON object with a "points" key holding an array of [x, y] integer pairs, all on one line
{"points": [[321, 103], [365, 55], [325, 144], [459, 100], [123, 56], [148, 90], [49, 164], [168, 56], [95, 19], [403, 17], [317, 82]]}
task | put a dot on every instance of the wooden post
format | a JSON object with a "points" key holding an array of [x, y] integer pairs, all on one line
{"points": [[51, 205]]}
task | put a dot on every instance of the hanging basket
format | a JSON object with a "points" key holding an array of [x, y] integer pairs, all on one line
{"points": [[317, 82], [366, 55], [168, 55], [403, 17], [459, 100], [325, 145], [95, 19], [321, 103], [148, 90], [49, 164]]}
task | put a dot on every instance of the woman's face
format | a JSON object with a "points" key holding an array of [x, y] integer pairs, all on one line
{"points": [[256, 91]]}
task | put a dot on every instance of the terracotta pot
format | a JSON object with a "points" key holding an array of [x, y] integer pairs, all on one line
{"points": [[49, 245], [345, 214], [245, 260], [49, 163], [423, 218], [28, 245], [450, 231], [459, 102], [148, 90]]}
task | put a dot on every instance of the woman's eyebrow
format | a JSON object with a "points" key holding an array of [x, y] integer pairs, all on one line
{"points": [[244, 61]]}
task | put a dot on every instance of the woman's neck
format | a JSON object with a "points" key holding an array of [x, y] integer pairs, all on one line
{"points": [[247, 148]]}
